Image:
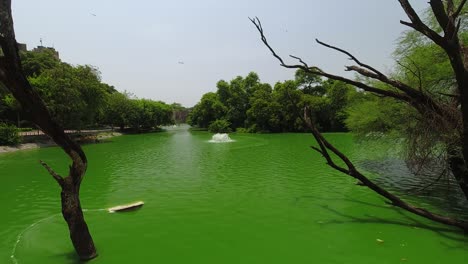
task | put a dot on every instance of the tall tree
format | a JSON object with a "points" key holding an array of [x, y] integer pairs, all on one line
{"points": [[445, 118], [13, 77], [75, 96]]}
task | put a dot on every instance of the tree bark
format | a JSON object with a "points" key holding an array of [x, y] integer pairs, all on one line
{"points": [[12, 76], [458, 167], [73, 215]]}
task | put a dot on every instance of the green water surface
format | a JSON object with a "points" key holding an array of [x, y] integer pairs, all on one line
{"points": [[260, 199]]}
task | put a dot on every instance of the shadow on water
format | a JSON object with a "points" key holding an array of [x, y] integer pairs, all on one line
{"points": [[441, 193], [408, 221]]}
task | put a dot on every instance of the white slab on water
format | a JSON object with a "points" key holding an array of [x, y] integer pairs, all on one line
{"points": [[126, 207]]}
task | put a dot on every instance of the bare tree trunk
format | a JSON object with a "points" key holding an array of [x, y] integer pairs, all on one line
{"points": [[11, 75], [458, 167], [73, 215]]}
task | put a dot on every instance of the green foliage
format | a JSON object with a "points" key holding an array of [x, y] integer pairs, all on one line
{"points": [[257, 107], [207, 110], [220, 126], [9, 135], [147, 114], [75, 96], [242, 130], [34, 63], [119, 110], [139, 114]]}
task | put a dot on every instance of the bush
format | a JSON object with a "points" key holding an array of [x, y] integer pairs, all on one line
{"points": [[220, 126], [9, 135], [242, 130], [25, 129]]}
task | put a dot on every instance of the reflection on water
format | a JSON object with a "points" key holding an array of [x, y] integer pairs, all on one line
{"points": [[440, 192]]}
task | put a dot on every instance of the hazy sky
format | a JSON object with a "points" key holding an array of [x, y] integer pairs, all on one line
{"points": [[137, 45]]}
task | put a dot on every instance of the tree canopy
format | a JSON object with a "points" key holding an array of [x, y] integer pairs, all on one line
{"points": [[77, 98], [249, 104]]}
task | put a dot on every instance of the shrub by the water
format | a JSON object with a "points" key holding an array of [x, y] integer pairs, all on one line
{"points": [[9, 135], [242, 130], [220, 126]]}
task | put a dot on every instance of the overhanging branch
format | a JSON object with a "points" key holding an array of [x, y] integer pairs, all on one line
{"points": [[407, 94]]}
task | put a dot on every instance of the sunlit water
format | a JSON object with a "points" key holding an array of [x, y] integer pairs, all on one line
{"points": [[260, 199]]}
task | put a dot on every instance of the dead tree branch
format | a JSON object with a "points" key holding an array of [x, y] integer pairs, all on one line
{"points": [[405, 93], [351, 170]]}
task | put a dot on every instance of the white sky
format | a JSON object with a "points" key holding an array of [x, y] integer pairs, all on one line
{"points": [[137, 45]]}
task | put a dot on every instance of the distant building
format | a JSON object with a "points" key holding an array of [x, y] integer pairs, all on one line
{"points": [[24, 47], [42, 48]]}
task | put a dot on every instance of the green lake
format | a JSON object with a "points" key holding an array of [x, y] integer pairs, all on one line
{"points": [[265, 198]]}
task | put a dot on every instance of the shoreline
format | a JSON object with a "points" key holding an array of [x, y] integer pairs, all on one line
{"points": [[51, 143]]}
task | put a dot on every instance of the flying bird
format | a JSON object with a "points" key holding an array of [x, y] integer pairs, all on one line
{"points": [[181, 62], [93, 14]]}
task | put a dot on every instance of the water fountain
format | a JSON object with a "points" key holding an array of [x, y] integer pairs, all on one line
{"points": [[221, 138]]}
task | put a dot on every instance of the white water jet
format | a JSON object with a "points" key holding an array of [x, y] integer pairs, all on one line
{"points": [[221, 138]]}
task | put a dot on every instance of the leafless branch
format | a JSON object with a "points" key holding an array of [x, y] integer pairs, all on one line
{"points": [[55, 175], [415, 74], [351, 57], [300, 60], [326, 148], [259, 27], [409, 95], [317, 71], [417, 24]]}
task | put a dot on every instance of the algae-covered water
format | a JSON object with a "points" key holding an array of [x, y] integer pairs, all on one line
{"points": [[259, 199]]}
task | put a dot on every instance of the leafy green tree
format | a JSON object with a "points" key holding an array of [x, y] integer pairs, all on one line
{"points": [[262, 116], [207, 110], [309, 83], [36, 62], [145, 114], [118, 110], [9, 102], [75, 96], [9, 135], [248, 103], [289, 98], [368, 114], [220, 126]]}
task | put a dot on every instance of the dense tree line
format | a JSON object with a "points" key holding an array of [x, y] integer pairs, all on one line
{"points": [[246, 104], [78, 99]]}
